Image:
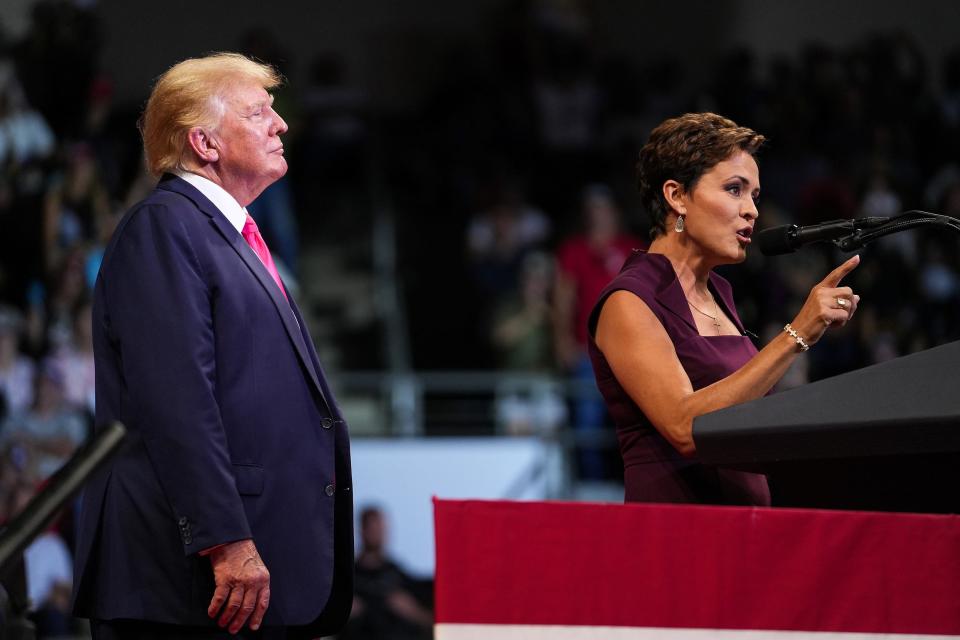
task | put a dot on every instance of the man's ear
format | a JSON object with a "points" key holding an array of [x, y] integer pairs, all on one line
{"points": [[675, 196], [204, 146]]}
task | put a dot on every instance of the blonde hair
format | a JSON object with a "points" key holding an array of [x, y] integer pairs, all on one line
{"points": [[191, 94]]}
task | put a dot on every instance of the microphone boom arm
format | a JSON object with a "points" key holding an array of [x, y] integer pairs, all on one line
{"points": [[38, 513], [906, 220]]}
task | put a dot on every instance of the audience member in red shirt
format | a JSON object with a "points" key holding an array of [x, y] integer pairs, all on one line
{"points": [[586, 263]]}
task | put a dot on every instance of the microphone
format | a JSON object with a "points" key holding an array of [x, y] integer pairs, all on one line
{"points": [[790, 237]]}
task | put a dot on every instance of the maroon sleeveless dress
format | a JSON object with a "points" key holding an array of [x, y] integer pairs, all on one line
{"points": [[653, 470]]}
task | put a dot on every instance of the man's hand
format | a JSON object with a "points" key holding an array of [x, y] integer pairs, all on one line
{"points": [[243, 583]]}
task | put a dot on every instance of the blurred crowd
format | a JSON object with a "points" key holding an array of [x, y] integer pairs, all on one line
{"points": [[61, 184], [527, 151], [388, 603], [513, 184]]}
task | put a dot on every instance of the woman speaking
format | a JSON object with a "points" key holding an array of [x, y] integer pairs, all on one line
{"points": [[665, 339]]}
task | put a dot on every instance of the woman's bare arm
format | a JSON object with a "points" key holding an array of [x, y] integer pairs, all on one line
{"points": [[644, 361]]}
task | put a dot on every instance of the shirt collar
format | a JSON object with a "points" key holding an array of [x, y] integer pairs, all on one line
{"points": [[227, 204]]}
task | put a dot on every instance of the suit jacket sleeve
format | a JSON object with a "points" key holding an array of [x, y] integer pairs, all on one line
{"points": [[160, 319]]}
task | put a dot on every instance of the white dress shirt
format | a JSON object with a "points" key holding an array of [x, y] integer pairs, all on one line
{"points": [[216, 194], [222, 200]]}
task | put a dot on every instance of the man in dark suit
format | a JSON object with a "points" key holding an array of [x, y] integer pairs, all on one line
{"points": [[229, 507]]}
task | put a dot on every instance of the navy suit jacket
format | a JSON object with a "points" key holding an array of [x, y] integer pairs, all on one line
{"points": [[233, 429]]}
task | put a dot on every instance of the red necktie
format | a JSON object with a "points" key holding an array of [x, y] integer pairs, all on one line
{"points": [[252, 235]]}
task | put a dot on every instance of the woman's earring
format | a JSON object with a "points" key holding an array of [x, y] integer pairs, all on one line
{"points": [[679, 226]]}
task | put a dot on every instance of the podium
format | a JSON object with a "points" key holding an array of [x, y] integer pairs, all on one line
{"points": [[883, 438]]}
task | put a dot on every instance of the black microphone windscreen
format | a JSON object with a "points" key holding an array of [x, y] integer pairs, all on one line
{"points": [[775, 241]]}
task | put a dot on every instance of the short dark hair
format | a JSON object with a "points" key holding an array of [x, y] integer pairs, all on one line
{"points": [[683, 149]]}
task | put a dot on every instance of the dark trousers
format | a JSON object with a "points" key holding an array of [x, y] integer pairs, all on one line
{"points": [[144, 630]]}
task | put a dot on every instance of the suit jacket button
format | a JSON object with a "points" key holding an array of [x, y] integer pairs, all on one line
{"points": [[183, 520], [326, 423], [329, 490], [187, 539]]}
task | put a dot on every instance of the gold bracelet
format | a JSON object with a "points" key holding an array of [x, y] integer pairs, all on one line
{"points": [[796, 336]]}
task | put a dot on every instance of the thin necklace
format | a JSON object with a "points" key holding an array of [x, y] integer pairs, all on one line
{"points": [[716, 312]]}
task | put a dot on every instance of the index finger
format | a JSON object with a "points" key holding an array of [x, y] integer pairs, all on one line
{"points": [[834, 277], [219, 597]]}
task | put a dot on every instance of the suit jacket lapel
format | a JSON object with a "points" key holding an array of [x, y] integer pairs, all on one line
{"points": [[236, 241], [724, 293], [669, 293], [315, 362]]}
